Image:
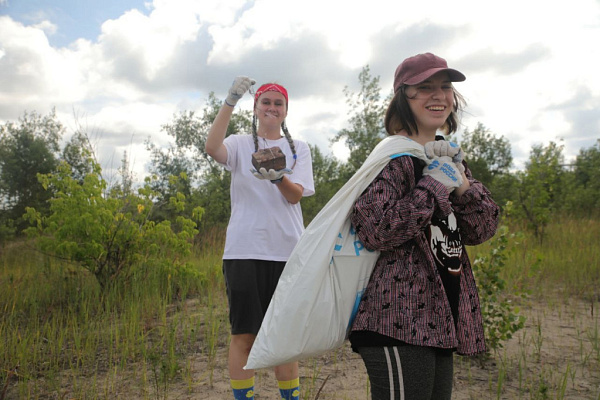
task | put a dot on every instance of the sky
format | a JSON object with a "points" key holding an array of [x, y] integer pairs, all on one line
{"points": [[122, 69]]}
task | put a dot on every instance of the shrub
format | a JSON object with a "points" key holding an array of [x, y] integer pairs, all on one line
{"points": [[109, 235], [500, 319]]}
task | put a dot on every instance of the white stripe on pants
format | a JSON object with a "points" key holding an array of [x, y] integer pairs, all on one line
{"points": [[391, 372]]}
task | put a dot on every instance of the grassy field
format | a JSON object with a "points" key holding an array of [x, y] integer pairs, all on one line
{"points": [[164, 336]]}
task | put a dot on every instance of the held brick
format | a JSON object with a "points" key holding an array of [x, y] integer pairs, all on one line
{"points": [[270, 158]]}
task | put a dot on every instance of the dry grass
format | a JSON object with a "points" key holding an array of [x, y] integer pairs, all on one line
{"points": [[61, 340]]}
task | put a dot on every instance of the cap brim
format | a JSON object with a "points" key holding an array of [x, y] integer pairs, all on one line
{"points": [[454, 75]]}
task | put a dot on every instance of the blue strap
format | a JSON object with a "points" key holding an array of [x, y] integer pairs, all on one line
{"points": [[400, 155]]}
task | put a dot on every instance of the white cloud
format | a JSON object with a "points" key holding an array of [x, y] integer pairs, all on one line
{"points": [[46, 26], [149, 41], [523, 66], [32, 72]]}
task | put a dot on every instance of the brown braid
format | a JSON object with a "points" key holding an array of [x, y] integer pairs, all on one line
{"points": [[254, 133], [289, 138]]}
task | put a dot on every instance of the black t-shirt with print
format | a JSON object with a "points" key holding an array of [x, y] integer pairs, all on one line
{"points": [[446, 246]]}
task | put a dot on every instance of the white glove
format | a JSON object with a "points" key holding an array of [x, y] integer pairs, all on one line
{"points": [[460, 167], [443, 148], [240, 85], [443, 170], [272, 175]]}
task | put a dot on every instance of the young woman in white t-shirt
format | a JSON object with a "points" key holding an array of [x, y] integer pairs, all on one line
{"points": [[265, 224]]}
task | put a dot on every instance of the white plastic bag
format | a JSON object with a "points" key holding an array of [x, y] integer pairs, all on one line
{"points": [[350, 270], [315, 316], [311, 310]]}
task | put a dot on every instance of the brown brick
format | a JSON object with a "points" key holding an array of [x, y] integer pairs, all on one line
{"points": [[271, 158]]}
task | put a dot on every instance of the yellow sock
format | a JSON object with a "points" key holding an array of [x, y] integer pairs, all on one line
{"points": [[290, 390], [243, 389]]}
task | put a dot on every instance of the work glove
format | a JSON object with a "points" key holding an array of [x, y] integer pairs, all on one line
{"points": [[443, 170], [272, 175], [240, 85], [443, 148]]}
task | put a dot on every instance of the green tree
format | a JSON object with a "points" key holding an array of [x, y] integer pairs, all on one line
{"points": [[328, 180], [190, 131], [165, 165], [488, 155], [489, 158], [75, 153], [209, 182], [127, 177], [27, 148], [539, 187], [213, 195], [583, 195], [112, 237], [366, 129], [500, 319], [504, 188]]}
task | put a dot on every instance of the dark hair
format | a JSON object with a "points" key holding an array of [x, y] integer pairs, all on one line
{"points": [[399, 115]]}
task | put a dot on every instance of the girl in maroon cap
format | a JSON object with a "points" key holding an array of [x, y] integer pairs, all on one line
{"points": [[421, 303], [265, 224]]}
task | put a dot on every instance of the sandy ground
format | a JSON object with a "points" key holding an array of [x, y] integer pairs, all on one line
{"points": [[554, 345], [555, 356]]}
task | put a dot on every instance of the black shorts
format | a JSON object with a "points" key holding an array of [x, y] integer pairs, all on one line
{"points": [[250, 285]]}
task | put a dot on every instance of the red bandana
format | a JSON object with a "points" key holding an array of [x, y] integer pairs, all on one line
{"points": [[270, 87]]}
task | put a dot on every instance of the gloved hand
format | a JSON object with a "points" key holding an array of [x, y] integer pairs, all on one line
{"points": [[240, 85], [460, 167], [443, 148], [272, 175], [443, 170]]}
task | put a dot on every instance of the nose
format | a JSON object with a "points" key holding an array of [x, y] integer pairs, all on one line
{"points": [[438, 93]]}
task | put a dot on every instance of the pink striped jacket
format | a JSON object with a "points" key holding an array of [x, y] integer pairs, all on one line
{"points": [[405, 298]]}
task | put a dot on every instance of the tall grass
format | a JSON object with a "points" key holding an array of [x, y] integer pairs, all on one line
{"points": [[567, 261], [56, 325], [556, 355], [61, 337]]}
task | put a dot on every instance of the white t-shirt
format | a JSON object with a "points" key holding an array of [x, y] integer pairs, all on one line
{"points": [[263, 224]]}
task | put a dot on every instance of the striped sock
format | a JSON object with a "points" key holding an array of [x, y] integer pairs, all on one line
{"points": [[290, 390], [243, 389]]}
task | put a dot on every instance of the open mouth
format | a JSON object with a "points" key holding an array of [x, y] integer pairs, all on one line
{"points": [[436, 108]]}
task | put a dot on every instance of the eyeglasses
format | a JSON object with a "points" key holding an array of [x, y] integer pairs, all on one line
{"points": [[425, 90]]}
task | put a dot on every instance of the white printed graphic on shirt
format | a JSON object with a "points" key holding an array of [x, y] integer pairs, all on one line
{"points": [[445, 242]]}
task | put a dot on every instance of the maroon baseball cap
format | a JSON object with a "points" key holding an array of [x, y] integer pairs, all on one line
{"points": [[418, 68]]}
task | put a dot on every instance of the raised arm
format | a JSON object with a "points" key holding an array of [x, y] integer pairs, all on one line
{"points": [[216, 135]]}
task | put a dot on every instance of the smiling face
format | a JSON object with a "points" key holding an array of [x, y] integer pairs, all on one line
{"points": [[431, 102], [271, 109]]}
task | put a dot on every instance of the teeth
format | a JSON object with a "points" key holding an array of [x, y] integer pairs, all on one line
{"points": [[436, 108]]}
